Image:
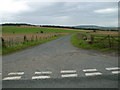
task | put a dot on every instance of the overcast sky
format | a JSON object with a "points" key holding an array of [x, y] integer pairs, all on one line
{"points": [[60, 13]]}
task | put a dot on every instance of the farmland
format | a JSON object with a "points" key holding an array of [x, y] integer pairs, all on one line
{"points": [[99, 40], [15, 29], [23, 37], [17, 38]]}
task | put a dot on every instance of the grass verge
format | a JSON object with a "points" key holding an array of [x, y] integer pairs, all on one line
{"points": [[28, 44], [78, 42]]}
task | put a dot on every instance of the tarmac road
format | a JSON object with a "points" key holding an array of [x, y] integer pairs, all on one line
{"points": [[58, 64]]}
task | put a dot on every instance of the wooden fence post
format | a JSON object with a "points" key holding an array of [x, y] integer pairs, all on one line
{"points": [[3, 43], [36, 37], [92, 38], [109, 41], [12, 42], [25, 38], [32, 38]]}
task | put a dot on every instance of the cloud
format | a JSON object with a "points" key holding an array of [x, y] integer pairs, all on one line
{"points": [[13, 6], [72, 0], [107, 10], [63, 13], [9, 9]]}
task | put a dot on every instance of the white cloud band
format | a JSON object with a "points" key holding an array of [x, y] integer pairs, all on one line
{"points": [[107, 10]]}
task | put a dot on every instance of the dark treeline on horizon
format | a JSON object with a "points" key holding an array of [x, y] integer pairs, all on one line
{"points": [[52, 26], [16, 24], [57, 26]]}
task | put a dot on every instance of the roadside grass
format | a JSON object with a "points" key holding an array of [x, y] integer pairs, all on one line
{"points": [[16, 29], [78, 42], [28, 44]]}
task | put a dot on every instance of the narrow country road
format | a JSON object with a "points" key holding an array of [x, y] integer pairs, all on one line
{"points": [[58, 64]]}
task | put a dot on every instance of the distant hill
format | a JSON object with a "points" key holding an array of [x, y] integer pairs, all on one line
{"points": [[94, 27]]}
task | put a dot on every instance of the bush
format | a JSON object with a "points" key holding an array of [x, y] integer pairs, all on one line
{"points": [[41, 31]]}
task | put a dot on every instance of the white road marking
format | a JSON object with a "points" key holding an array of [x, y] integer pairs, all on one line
{"points": [[115, 72], [112, 68], [16, 73], [93, 74], [40, 77], [12, 78], [69, 75], [68, 71], [86, 70], [47, 72]]}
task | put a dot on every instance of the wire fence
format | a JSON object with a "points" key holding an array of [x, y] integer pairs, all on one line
{"points": [[105, 41], [9, 40]]}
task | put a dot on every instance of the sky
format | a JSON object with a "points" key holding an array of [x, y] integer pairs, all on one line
{"points": [[59, 13]]}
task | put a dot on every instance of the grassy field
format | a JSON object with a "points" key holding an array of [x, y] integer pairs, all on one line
{"points": [[76, 40], [46, 36], [98, 44], [15, 29]]}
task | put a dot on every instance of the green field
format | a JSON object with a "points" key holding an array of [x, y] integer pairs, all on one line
{"points": [[15, 29], [98, 44]]}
